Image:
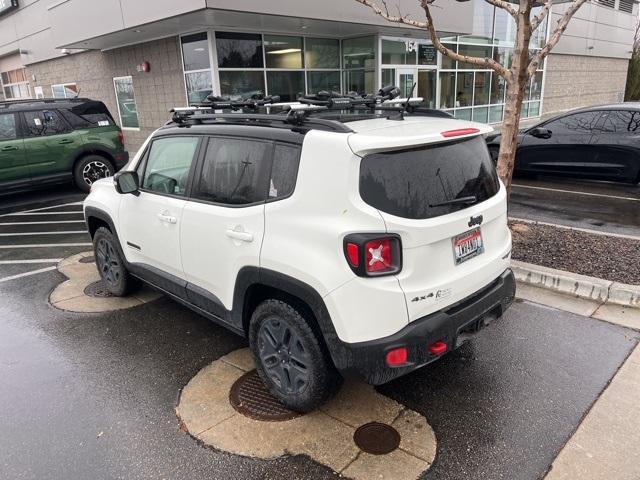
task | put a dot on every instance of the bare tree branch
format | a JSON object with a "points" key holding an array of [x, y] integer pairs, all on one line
{"points": [[433, 34], [505, 6], [538, 19], [555, 36]]}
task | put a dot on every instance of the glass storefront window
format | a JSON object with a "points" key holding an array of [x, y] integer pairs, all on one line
{"points": [[480, 114], [473, 51], [481, 88], [396, 53], [503, 55], [482, 23], [241, 84], [447, 89], [388, 76], [283, 52], [195, 52], [359, 52], [534, 109], [524, 112], [360, 81], [288, 85], [446, 62], [327, 81], [504, 31], [495, 114], [463, 113], [498, 88], [427, 87], [126, 99], [464, 93], [539, 35], [199, 86], [239, 50], [322, 53], [536, 86]]}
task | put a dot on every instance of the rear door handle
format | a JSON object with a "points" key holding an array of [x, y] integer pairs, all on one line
{"points": [[9, 148], [65, 140], [167, 218], [242, 236]]}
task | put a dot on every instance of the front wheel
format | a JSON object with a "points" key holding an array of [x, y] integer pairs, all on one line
{"points": [[110, 264], [91, 169], [289, 358]]}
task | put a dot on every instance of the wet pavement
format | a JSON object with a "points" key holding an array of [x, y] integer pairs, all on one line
{"points": [[602, 206], [93, 395]]}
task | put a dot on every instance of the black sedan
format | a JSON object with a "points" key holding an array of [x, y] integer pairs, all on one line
{"points": [[600, 143]]}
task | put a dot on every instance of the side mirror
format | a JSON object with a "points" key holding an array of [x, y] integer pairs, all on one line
{"points": [[540, 132], [127, 182]]}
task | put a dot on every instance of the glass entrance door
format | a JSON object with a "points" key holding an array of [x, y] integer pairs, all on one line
{"points": [[405, 80]]}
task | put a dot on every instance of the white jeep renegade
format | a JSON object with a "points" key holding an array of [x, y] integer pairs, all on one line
{"points": [[364, 241]]}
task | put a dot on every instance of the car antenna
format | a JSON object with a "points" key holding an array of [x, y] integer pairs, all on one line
{"points": [[400, 115]]}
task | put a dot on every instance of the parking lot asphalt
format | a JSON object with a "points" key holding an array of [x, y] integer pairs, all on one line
{"points": [[602, 206], [93, 395]]}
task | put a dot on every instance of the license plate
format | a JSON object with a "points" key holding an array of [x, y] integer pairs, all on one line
{"points": [[467, 245]]}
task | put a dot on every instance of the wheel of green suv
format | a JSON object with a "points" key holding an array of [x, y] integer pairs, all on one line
{"points": [[91, 169], [110, 264], [289, 358]]}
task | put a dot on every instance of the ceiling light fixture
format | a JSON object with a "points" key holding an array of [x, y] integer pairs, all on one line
{"points": [[284, 50]]}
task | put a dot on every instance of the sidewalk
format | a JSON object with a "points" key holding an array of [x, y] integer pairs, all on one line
{"points": [[606, 445]]}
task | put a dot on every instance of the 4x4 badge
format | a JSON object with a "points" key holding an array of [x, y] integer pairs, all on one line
{"points": [[475, 220]]}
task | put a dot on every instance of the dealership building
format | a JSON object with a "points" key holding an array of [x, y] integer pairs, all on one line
{"points": [[144, 57]]}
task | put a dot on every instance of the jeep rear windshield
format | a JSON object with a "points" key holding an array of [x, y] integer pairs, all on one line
{"points": [[88, 114], [429, 181]]}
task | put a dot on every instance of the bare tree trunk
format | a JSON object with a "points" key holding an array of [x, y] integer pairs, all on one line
{"points": [[517, 82]]}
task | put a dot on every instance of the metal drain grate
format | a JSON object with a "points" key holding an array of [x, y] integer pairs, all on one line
{"points": [[376, 438], [97, 289], [90, 259], [249, 397]]}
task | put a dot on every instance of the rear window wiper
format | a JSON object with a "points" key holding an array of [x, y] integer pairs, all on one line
{"points": [[454, 201]]}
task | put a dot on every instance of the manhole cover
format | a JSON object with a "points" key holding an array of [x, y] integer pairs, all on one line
{"points": [[97, 289], [376, 438], [249, 397], [90, 259]]}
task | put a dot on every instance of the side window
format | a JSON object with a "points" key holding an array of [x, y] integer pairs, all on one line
{"points": [[234, 171], [581, 123], [168, 164], [621, 121], [284, 170], [8, 130], [44, 122]]}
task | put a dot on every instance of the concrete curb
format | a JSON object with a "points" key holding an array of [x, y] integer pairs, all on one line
{"points": [[582, 286]]}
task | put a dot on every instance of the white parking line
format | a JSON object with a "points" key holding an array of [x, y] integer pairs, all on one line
{"points": [[41, 223], [26, 234], [53, 206], [46, 245], [37, 214], [27, 274], [38, 260], [633, 199]]}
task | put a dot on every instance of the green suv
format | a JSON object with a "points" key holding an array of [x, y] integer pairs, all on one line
{"points": [[48, 141]]}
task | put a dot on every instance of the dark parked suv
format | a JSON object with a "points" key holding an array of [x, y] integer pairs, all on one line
{"points": [[49, 141]]}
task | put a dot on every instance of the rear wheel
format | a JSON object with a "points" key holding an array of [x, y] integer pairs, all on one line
{"points": [[289, 358], [110, 264], [90, 169]]}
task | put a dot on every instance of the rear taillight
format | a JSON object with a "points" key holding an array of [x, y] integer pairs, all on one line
{"points": [[372, 255], [121, 138]]}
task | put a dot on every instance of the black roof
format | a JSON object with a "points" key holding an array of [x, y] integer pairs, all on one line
{"points": [[610, 106], [44, 103]]}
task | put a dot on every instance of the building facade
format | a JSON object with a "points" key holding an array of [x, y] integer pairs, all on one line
{"points": [[143, 58]]}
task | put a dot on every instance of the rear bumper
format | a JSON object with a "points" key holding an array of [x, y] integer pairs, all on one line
{"points": [[453, 326]]}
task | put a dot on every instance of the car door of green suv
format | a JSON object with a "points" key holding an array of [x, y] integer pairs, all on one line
{"points": [[13, 164], [50, 145]]}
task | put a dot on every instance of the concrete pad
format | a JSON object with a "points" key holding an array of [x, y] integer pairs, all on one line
{"points": [[607, 443], [561, 301], [625, 316], [325, 435], [70, 296]]}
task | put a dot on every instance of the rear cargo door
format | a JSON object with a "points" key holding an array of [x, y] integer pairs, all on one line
{"points": [[448, 206]]}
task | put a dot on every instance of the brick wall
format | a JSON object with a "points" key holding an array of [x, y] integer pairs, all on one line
{"points": [[573, 81], [156, 92]]}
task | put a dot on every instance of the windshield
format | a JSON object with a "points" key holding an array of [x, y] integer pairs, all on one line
{"points": [[429, 181]]}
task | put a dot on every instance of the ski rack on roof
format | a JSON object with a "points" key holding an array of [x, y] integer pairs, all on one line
{"points": [[299, 113]]}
